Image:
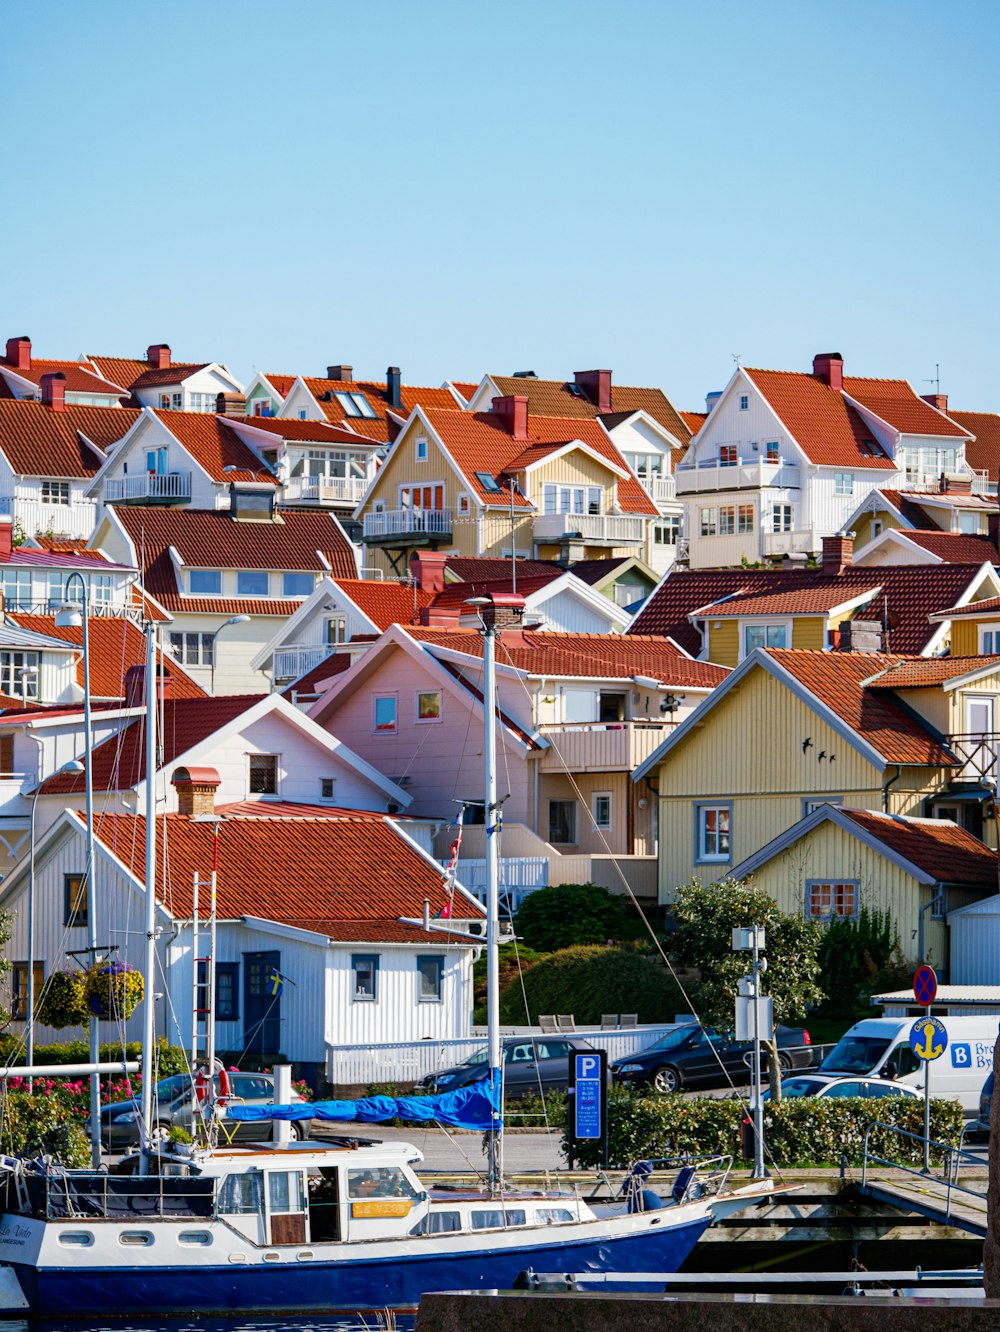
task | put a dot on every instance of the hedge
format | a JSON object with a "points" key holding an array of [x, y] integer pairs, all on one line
{"points": [[804, 1131]]}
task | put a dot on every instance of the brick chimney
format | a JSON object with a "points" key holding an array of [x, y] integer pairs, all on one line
{"points": [[6, 537], [513, 414], [53, 386], [135, 685], [196, 788], [938, 400], [829, 367], [158, 356], [345, 373], [838, 552], [19, 353], [393, 386], [427, 568], [596, 384]]}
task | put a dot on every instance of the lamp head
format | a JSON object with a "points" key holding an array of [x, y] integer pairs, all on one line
{"points": [[239, 619], [68, 617]]}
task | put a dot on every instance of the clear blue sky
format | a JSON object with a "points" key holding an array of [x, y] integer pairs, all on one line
{"points": [[650, 186]]}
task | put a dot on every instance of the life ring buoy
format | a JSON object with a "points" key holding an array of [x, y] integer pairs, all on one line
{"points": [[200, 1086], [225, 1087]]}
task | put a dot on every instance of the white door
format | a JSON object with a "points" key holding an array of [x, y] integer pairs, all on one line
{"points": [[980, 747]]}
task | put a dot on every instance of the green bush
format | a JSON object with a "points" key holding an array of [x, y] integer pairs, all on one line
{"points": [[514, 960], [858, 957], [806, 1131], [590, 981], [567, 914]]}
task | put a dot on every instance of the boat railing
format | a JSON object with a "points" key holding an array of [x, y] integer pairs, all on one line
{"points": [[96, 1195], [712, 1173]]}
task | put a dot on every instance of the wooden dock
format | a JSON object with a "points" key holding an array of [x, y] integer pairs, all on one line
{"points": [[960, 1206]]}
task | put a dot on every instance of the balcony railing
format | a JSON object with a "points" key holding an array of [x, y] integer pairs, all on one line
{"points": [[596, 529], [978, 753], [600, 746], [931, 481], [660, 489], [408, 524], [324, 489], [290, 663], [745, 474], [150, 487], [804, 541]]}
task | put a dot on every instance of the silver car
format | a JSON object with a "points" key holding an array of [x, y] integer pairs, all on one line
{"points": [[173, 1108]]}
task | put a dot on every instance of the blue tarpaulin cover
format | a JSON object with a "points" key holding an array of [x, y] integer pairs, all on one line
{"points": [[473, 1107]]}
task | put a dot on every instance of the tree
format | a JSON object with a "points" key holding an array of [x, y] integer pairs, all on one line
{"points": [[589, 982], [706, 918], [858, 957], [567, 914]]}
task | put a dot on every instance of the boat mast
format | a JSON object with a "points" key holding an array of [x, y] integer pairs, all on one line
{"points": [[149, 964], [494, 1140]]}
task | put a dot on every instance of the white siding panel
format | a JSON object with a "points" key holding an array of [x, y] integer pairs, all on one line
{"points": [[975, 947]]}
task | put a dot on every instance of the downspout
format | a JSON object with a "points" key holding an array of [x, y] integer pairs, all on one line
{"points": [[885, 788]]}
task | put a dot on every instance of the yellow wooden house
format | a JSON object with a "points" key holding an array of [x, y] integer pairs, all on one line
{"points": [[503, 482], [789, 730], [837, 861], [952, 508]]}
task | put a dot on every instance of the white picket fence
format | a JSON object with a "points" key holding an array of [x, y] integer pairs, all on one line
{"points": [[409, 1061]]}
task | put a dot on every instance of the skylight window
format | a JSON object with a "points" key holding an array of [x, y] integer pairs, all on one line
{"points": [[489, 483], [356, 404]]}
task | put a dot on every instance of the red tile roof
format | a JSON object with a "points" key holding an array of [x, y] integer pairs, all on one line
{"points": [[340, 870], [595, 571], [924, 672], [126, 370], [290, 427], [375, 393], [974, 608], [214, 445], [456, 594], [983, 453], [115, 645], [694, 420], [954, 547], [81, 377], [552, 397], [485, 568], [120, 762], [465, 388], [952, 499], [210, 538], [40, 442], [386, 603], [478, 442], [908, 591], [837, 679], [313, 682], [173, 374], [824, 425], [945, 852], [613, 656], [64, 545], [818, 599], [897, 403], [281, 384]]}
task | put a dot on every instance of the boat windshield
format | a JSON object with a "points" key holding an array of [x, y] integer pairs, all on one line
{"points": [[855, 1054]]}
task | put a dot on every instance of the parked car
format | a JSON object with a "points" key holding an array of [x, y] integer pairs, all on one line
{"points": [[818, 1085], [172, 1108], [694, 1056], [982, 1124], [530, 1066]]}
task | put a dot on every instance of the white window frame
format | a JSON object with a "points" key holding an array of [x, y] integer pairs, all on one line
{"points": [[421, 448], [608, 823], [326, 799], [264, 795], [464, 504], [254, 573], [708, 521], [55, 492], [376, 699], [779, 514], [703, 833], [418, 694], [766, 625], [989, 638], [833, 885], [744, 402], [843, 483]]}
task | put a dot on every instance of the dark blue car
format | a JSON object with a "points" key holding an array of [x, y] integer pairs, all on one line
{"points": [[693, 1056]]}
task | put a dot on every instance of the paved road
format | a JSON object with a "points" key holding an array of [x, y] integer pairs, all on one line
{"points": [[537, 1149]]}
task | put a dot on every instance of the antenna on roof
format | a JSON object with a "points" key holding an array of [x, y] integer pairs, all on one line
{"points": [[736, 359], [936, 381]]}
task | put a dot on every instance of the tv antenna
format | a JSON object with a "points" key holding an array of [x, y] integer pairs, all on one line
{"points": [[736, 359], [936, 381]]}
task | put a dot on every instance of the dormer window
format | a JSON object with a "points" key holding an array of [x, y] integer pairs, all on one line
{"points": [[489, 483], [253, 583], [356, 404], [205, 582]]}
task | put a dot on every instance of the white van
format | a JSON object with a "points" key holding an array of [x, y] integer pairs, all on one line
{"points": [[881, 1047]]}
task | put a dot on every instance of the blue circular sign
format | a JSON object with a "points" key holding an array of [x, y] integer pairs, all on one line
{"points": [[925, 985], [928, 1038]]}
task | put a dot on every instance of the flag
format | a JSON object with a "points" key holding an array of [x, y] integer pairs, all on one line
{"points": [[445, 912], [275, 982], [449, 878]]}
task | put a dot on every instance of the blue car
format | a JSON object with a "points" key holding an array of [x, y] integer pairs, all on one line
{"points": [[982, 1124]]}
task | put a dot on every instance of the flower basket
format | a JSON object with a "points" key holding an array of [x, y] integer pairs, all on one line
{"points": [[112, 990], [64, 1000]]}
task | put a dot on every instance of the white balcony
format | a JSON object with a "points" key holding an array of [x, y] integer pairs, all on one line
{"points": [[324, 489], [660, 489], [600, 746], [290, 663], [805, 541], [931, 481], [595, 529], [410, 526], [746, 474], [149, 488]]}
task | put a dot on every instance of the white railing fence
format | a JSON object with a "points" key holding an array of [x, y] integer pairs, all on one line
{"points": [[151, 485], [407, 522], [519, 876], [409, 1061]]}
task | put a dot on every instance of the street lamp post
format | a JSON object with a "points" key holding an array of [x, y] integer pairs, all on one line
{"points": [[68, 616], [235, 619]]}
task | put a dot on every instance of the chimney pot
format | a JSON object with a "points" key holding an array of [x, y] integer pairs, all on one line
{"points": [[344, 373], [513, 412], [53, 387], [427, 568], [196, 788], [596, 385], [829, 367], [838, 552], [938, 400], [712, 398], [158, 356], [19, 353], [393, 386]]}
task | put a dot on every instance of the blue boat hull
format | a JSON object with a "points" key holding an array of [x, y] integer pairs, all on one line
{"points": [[354, 1285]]}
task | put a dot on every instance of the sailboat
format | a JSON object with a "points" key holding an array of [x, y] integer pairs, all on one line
{"points": [[342, 1225]]}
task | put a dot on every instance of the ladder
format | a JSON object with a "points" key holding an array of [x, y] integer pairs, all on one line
{"points": [[203, 935]]}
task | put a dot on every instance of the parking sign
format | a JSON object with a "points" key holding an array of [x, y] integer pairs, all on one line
{"points": [[588, 1082]]}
